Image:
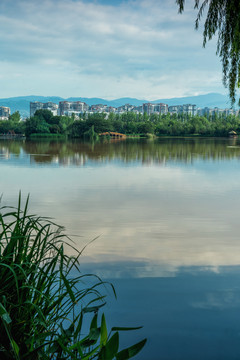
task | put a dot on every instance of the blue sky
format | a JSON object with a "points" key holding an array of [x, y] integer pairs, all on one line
{"points": [[103, 48]]}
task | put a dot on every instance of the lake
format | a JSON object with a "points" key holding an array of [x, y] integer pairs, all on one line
{"points": [[166, 217]]}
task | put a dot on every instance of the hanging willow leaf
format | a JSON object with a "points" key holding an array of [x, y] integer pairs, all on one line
{"points": [[223, 20]]}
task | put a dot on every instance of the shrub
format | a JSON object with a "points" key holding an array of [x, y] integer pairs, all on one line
{"points": [[40, 295]]}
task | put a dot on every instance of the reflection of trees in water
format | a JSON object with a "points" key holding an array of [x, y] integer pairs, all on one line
{"points": [[131, 150], [8, 147]]}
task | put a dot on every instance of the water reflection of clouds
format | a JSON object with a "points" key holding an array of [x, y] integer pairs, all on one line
{"points": [[116, 267], [128, 268], [170, 216], [145, 223], [194, 315], [221, 300], [165, 233]]}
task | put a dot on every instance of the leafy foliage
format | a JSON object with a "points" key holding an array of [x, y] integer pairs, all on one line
{"points": [[15, 117], [13, 123], [223, 17], [41, 290], [44, 124]]}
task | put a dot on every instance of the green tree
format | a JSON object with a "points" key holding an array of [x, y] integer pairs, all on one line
{"points": [[128, 116], [111, 117], [146, 128], [130, 127], [64, 123], [5, 126], [19, 127], [36, 125], [78, 128], [44, 114], [154, 118], [223, 18], [118, 126], [15, 117], [100, 123]]}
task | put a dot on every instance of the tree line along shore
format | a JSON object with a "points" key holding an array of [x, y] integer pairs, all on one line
{"points": [[45, 124]]}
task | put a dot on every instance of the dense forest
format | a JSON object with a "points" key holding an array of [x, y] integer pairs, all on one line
{"points": [[43, 123]]}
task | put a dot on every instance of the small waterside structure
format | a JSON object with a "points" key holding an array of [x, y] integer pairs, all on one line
{"points": [[11, 135], [114, 135], [232, 134]]}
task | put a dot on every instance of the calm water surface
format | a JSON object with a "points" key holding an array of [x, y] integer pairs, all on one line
{"points": [[167, 216]]}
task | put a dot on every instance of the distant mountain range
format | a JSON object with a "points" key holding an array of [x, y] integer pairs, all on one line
{"points": [[21, 103]]}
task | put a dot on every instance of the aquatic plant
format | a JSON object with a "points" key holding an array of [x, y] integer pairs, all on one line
{"points": [[44, 301]]}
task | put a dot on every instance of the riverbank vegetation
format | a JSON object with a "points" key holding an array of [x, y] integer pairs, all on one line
{"points": [[43, 123], [12, 124], [46, 309]]}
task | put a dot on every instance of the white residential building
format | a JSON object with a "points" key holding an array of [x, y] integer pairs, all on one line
{"points": [[189, 109], [4, 112], [72, 107], [36, 105]]}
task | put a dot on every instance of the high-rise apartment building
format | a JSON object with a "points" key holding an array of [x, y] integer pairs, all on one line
{"points": [[98, 108], [175, 109], [150, 108], [36, 105], [4, 112], [72, 107], [161, 108], [189, 109]]}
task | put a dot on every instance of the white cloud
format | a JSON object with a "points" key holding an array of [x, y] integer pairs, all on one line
{"points": [[134, 48]]}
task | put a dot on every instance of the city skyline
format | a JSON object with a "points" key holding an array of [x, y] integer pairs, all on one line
{"points": [[78, 108], [101, 48]]}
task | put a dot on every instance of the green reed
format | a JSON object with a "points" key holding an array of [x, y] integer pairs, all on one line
{"points": [[44, 299]]}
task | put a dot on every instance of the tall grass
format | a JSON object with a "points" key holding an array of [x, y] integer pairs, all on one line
{"points": [[39, 296]]}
